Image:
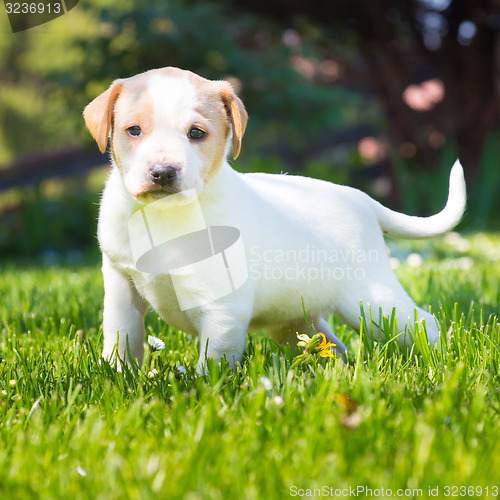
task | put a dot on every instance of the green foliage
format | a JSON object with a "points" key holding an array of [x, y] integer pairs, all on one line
{"points": [[56, 220], [485, 200], [71, 426]]}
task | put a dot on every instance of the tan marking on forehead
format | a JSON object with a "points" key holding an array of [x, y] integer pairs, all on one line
{"points": [[134, 108], [134, 98]]}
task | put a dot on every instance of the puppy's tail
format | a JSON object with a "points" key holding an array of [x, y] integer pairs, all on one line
{"points": [[406, 226]]}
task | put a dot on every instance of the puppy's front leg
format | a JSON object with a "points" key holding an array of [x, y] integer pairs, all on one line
{"points": [[220, 336], [123, 317]]}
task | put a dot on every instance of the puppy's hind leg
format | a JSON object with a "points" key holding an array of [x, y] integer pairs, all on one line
{"points": [[381, 291]]}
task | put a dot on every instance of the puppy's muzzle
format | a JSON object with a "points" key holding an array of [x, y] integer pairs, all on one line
{"points": [[164, 175]]}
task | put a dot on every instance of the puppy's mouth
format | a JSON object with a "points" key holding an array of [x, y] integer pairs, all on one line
{"points": [[150, 195], [151, 192]]}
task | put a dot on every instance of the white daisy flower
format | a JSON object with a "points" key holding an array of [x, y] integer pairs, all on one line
{"points": [[155, 343], [181, 370]]}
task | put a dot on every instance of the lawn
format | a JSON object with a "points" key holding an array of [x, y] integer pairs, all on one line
{"points": [[389, 422]]}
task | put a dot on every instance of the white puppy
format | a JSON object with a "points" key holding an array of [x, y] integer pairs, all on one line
{"points": [[296, 239]]}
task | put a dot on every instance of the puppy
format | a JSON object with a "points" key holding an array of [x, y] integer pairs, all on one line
{"points": [[242, 251]]}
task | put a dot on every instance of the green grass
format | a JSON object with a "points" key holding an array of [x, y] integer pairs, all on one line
{"points": [[71, 427]]}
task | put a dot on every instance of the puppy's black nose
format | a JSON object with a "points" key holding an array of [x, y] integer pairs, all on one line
{"points": [[163, 174]]}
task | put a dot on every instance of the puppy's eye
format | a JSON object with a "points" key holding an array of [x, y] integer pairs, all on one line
{"points": [[196, 134], [134, 131]]}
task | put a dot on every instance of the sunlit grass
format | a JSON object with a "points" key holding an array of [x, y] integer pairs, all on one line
{"points": [[72, 427]]}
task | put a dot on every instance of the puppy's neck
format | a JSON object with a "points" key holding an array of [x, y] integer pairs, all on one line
{"points": [[220, 184]]}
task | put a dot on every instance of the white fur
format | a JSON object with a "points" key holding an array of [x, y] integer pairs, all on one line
{"points": [[305, 240]]}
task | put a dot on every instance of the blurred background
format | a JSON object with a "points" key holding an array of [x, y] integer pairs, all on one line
{"points": [[379, 95]]}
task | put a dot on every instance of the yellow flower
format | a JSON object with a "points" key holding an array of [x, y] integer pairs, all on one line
{"points": [[312, 346], [324, 347], [316, 345]]}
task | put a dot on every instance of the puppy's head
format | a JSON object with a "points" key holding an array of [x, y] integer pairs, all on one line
{"points": [[169, 128]]}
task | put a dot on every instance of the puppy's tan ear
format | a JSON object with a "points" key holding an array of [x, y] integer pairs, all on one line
{"points": [[237, 115], [99, 113]]}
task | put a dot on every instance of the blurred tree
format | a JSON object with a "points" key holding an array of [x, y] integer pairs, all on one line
{"points": [[433, 64], [205, 38]]}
